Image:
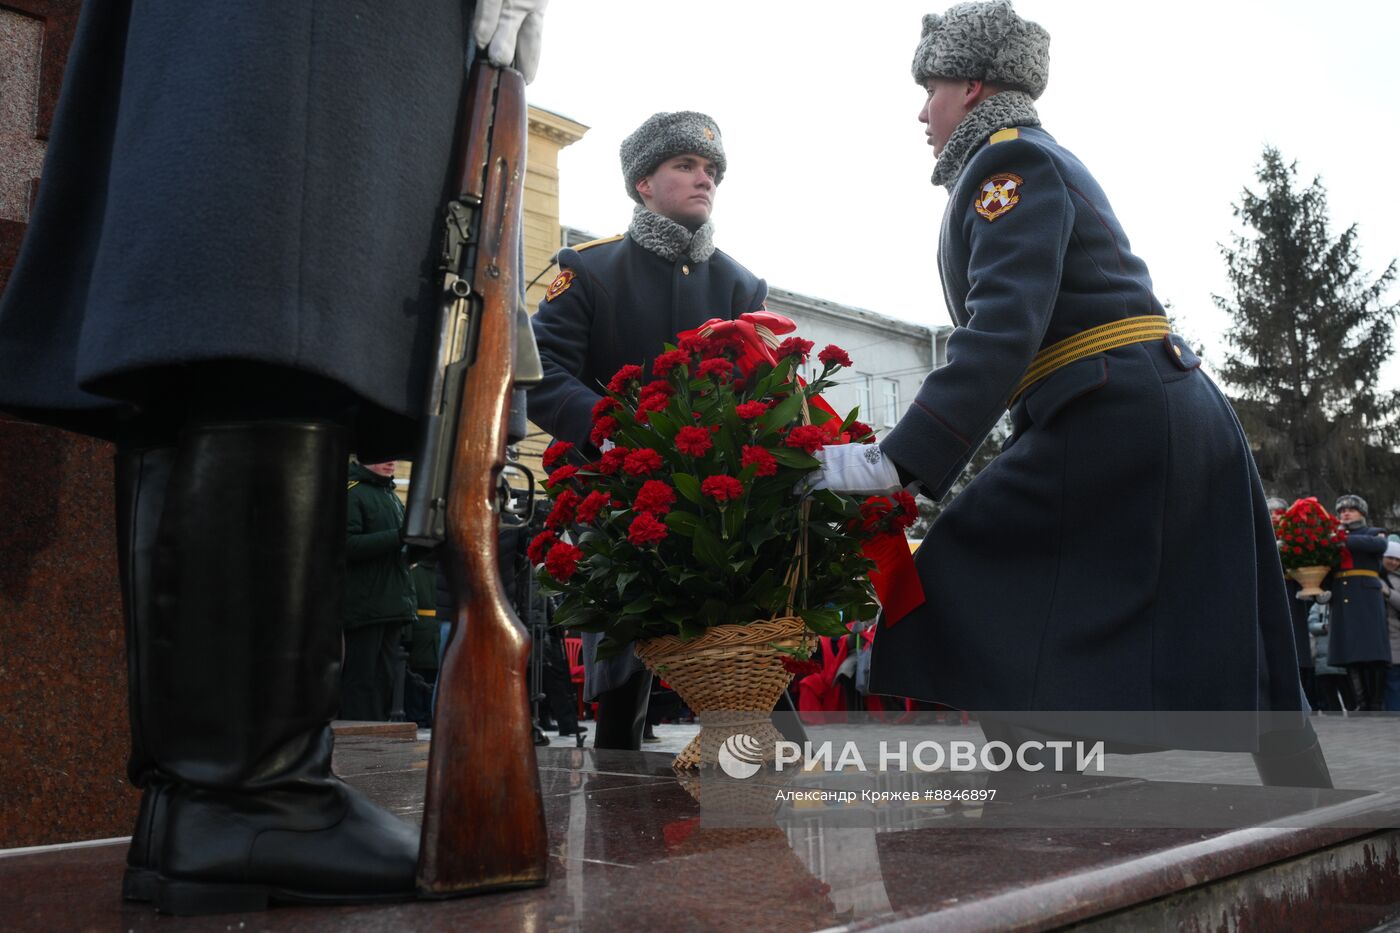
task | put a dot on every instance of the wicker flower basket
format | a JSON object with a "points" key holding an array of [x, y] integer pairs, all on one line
{"points": [[1310, 579], [730, 677]]}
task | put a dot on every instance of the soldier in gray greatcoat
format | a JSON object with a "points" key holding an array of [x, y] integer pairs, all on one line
{"points": [[229, 273], [1126, 482], [617, 301]]}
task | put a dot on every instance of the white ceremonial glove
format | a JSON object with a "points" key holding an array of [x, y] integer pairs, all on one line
{"points": [[1325, 598], [1302, 597], [510, 31], [606, 446], [854, 468]]}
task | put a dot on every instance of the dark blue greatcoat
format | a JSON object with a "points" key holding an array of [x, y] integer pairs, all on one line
{"points": [[621, 304], [235, 181], [1126, 497], [1358, 628]]}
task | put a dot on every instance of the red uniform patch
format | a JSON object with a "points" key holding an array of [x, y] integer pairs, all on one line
{"points": [[560, 285], [998, 195]]}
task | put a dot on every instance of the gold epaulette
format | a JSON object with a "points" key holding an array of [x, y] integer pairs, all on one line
{"points": [[353, 484], [600, 240], [1004, 136]]}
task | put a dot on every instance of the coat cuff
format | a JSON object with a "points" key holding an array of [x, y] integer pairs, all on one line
{"points": [[924, 445]]}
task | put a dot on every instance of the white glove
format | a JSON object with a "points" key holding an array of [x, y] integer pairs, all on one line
{"points": [[855, 468], [1325, 598], [510, 31]]}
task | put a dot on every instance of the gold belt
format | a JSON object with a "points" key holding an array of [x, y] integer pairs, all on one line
{"points": [[1087, 343], [1359, 573], [429, 613]]}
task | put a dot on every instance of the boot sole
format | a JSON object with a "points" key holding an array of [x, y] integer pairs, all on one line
{"points": [[197, 898], [139, 884]]}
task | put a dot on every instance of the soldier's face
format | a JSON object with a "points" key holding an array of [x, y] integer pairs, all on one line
{"points": [[682, 188], [382, 469], [944, 108], [1349, 514]]}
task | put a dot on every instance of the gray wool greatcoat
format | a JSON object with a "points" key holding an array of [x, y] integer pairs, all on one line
{"points": [[1126, 498], [1358, 628], [619, 304], [237, 181]]}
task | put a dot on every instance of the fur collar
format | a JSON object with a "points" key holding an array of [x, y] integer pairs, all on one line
{"points": [[1009, 108], [670, 240]]}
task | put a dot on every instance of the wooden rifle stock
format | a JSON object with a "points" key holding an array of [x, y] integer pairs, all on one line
{"points": [[483, 816]]}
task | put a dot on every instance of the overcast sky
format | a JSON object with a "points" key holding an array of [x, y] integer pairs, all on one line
{"points": [[828, 193]]}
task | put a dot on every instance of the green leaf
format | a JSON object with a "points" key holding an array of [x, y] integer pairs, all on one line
{"points": [[792, 457], [663, 424], [782, 413], [683, 523], [708, 549], [624, 578], [638, 606], [688, 486], [824, 621]]}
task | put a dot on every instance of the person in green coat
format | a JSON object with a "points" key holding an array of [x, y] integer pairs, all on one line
{"points": [[380, 598]]}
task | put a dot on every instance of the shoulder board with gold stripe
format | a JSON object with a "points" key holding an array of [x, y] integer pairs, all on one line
{"points": [[352, 485], [1004, 136], [599, 241]]}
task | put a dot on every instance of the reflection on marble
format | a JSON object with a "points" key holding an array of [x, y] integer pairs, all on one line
{"points": [[630, 850]]}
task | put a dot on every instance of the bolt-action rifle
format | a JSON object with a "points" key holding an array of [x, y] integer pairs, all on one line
{"points": [[483, 817]]}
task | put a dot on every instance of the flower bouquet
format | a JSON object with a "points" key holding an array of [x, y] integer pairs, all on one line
{"points": [[686, 536], [1311, 541]]}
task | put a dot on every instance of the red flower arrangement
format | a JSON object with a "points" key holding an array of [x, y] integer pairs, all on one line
{"points": [[1309, 536], [691, 521]]}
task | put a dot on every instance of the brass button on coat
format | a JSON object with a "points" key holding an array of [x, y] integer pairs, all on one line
{"points": [[685, 270]]}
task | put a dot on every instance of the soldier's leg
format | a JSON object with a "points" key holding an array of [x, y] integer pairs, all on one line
{"points": [[622, 713], [1292, 758]]}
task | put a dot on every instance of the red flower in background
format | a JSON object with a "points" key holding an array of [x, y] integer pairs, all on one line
{"points": [[862, 432], [719, 367], [833, 355], [627, 374], [562, 560], [561, 475], [760, 457], [535, 550], [645, 529], [694, 343], [808, 437], [654, 496], [693, 440], [612, 460], [591, 505], [556, 452], [799, 667], [668, 361], [750, 410], [563, 511], [794, 346], [722, 488], [602, 430], [641, 462], [605, 405]]}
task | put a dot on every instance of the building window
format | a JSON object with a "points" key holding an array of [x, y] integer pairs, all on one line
{"points": [[863, 399], [891, 400]]}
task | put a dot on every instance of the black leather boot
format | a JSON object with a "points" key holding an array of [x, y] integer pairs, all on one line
{"points": [[622, 713], [140, 481], [241, 680], [1292, 759]]}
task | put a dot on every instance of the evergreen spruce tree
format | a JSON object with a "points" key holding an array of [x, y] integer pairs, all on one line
{"points": [[1310, 334]]}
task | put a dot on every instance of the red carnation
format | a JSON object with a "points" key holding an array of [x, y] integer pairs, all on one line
{"points": [[719, 367], [908, 510], [654, 496], [669, 360], [693, 440], [722, 488], [809, 437], [555, 452], [794, 346], [604, 405], [602, 430], [758, 456], [645, 529], [694, 343], [612, 460], [591, 505], [627, 374], [562, 560], [834, 356], [873, 511], [561, 475], [641, 462], [862, 432], [563, 511], [750, 410], [538, 545], [799, 668]]}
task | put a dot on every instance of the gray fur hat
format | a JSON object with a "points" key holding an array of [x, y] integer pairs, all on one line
{"points": [[1351, 501], [1275, 504], [986, 42], [664, 136]]}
